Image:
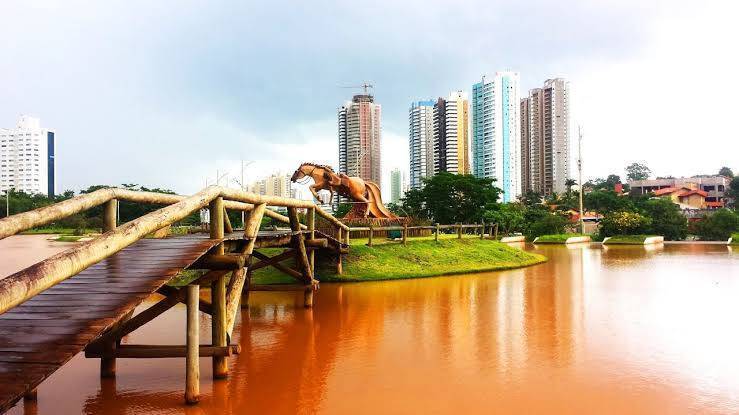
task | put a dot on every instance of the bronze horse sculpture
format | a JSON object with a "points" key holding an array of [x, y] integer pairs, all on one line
{"points": [[364, 193]]}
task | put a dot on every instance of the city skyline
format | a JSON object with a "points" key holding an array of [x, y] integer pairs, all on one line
{"points": [[145, 93]]}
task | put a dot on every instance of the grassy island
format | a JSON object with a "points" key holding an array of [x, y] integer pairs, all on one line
{"points": [[417, 259], [561, 238], [628, 239], [735, 239]]}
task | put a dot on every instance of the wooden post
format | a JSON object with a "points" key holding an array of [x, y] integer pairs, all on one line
{"points": [[110, 209], [216, 222], [218, 300], [405, 232], [310, 218], [436, 232], [107, 364], [459, 230], [482, 230], [346, 236], [308, 297], [31, 395], [218, 291], [369, 240], [339, 265], [192, 360]]}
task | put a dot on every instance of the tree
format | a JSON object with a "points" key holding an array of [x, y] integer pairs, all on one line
{"points": [[734, 190], [624, 223], [725, 171], [637, 171], [540, 221], [718, 226], [342, 210], [450, 198], [667, 220], [509, 217], [568, 184], [530, 198], [606, 201]]}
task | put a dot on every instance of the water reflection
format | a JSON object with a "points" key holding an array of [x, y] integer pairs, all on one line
{"points": [[616, 330]]}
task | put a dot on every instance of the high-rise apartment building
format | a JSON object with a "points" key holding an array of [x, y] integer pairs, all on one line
{"points": [[545, 134], [27, 158], [525, 146], [276, 184], [421, 142], [360, 137], [396, 185], [496, 132], [451, 134]]}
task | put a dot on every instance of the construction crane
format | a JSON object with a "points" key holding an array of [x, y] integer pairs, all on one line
{"points": [[364, 86]]}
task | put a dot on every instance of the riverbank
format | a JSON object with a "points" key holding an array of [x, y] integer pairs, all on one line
{"points": [[417, 259]]}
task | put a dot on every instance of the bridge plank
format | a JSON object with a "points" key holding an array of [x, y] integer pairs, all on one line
{"points": [[40, 335]]}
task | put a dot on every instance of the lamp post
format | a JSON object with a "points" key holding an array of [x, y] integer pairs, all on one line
{"points": [[579, 170]]}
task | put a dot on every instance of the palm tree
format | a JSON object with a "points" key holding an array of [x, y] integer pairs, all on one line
{"points": [[568, 184]]}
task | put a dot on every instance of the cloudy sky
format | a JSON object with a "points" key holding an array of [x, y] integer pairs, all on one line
{"points": [[167, 93]]}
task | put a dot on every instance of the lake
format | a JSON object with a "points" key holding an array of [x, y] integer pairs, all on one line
{"points": [[620, 330]]}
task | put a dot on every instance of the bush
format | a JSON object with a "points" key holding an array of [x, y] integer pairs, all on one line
{"points": [[624, 223], [539, 221], [718, 226], [666, 218]]}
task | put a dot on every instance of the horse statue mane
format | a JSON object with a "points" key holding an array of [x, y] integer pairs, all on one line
{"points": [[322, 166]]}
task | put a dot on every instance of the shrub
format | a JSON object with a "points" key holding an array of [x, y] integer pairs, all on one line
{"points": [[718, 226], [666, 218], [624, 223], [542, 222]]}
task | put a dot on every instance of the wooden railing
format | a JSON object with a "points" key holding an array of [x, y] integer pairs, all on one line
{"points": [[23, 285], [406, 231]]}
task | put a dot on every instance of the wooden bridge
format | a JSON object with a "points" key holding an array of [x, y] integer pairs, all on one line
{"points": [[83, 299]]}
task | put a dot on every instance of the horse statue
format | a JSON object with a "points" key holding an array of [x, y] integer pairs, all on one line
{"points": [[365, 194]]}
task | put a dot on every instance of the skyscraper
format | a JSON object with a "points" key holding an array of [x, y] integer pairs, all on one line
{"points": [[496, 132], [359, 138], [396, 186], [451, 134], [547, 137], [525, 146], [421, 141], [276, 184], [27, 158]]}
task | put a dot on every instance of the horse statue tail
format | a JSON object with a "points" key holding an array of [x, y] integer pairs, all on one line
{"points": [[375, 207]]}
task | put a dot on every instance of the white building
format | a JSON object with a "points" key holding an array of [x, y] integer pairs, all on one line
{"points": [[27, 158], [277, 184], [496, 124], [451, 134], [421, 141]]}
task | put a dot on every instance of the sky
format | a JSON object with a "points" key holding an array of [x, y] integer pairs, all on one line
{"points": [[171, 93]]}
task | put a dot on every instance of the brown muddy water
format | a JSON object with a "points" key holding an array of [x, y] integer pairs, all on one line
{"points": [[623, 330]]}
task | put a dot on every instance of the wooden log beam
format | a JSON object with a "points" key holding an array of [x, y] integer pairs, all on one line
{"points": [[289, 271], [317, 243], [266, 261], [299, 244], [220, 262], [144, 351], [227, 228], [238, 278]]}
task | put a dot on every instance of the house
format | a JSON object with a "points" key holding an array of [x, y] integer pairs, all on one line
{"points": [[684, 196], [714, 186]]}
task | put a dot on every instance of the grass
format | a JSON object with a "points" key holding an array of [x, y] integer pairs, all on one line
{"points": [[735, 238], [557, 239], [421, 257], [627, 239], [68, 238], [60, 231]]}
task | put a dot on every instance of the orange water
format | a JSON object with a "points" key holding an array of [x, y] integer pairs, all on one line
{"points": [[592, 331]]}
